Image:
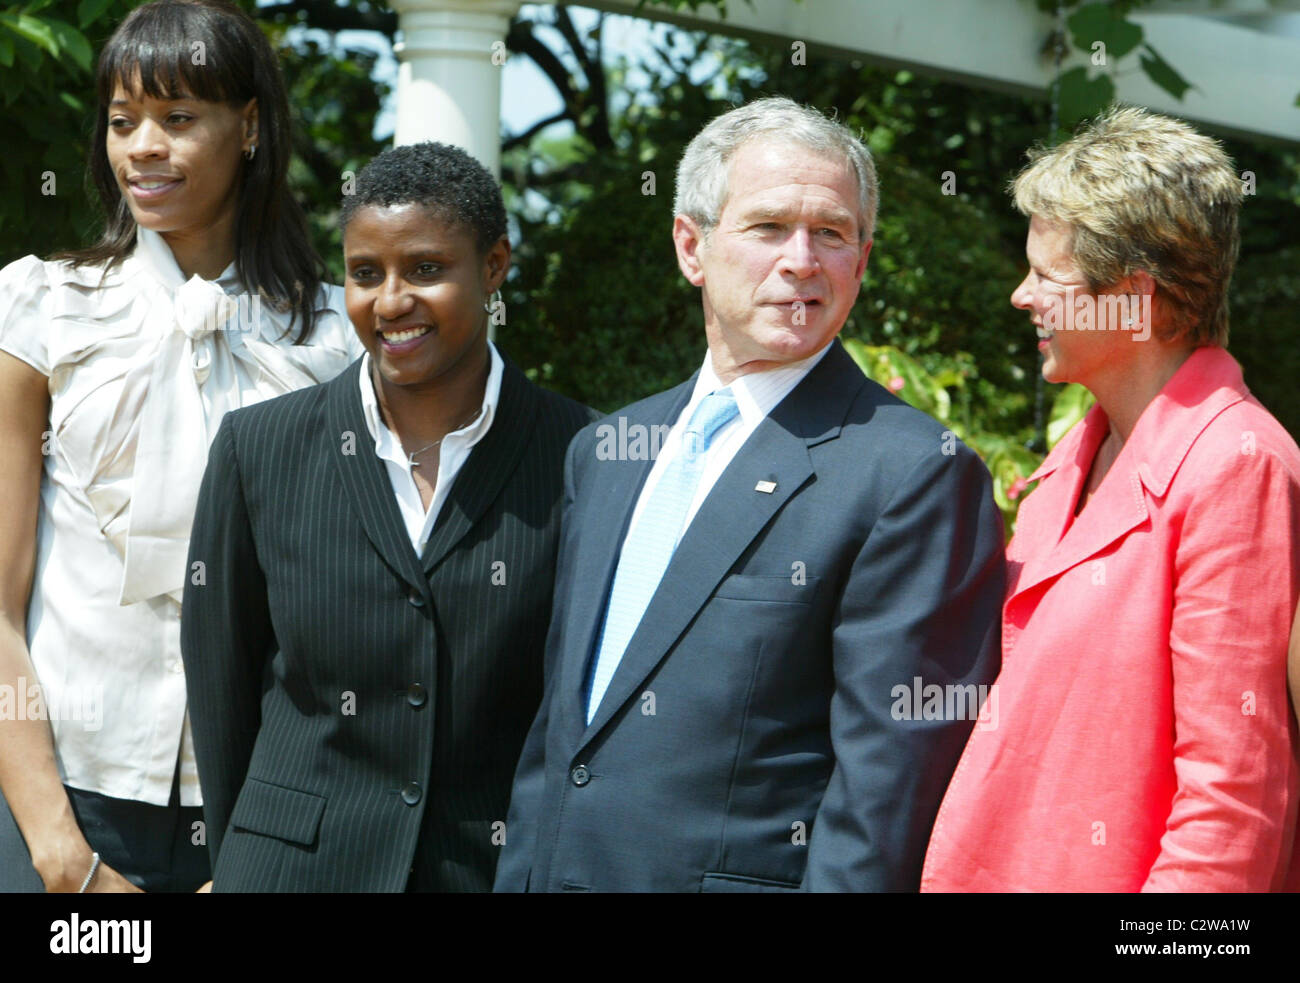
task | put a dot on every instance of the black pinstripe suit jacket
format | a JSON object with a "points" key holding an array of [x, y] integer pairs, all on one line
{"points": [[357, 709]]}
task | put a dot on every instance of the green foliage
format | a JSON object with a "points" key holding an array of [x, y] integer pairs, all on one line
{"points": [[46, 56], [937, 286], [1162, 73], [1083, 94], [1095, 22], [1265, 290], [1071, 405], [903, 376], [598, 309], [1008, 461], [1265, 297]]}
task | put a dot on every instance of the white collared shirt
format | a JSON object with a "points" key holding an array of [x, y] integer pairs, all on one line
{"points": [[757, 394], [142, 365], [453, 452]]}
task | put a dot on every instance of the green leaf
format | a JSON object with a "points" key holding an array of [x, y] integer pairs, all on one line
{"points": [[1070, 406], [1164, 74], [1100, 22], [73, 42], [6, 52], [29, 55], [1082, 97], [34, 30], [1009, 467], [949, 378], [903, 376], [71, 100], [89, 11]]}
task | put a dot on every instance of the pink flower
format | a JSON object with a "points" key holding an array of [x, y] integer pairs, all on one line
{"points": [[896, 384], [1015, 488]]}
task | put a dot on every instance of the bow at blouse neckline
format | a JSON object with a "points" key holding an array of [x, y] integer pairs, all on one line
{"points": [[209, 348]]}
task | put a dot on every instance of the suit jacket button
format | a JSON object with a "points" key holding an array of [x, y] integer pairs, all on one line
{"points": [[411, 794], [415, 598], [416, 695], [580, 775]]}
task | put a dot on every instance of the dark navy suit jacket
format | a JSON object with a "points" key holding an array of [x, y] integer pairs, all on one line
{"points": [[750, 738]]}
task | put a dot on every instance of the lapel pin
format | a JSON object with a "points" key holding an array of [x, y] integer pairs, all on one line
{"points": [[766, 487]]}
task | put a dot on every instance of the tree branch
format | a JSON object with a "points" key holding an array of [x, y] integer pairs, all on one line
{"points": [[576, 171], [327, 16], [595, 96], [520, 39], [520, 139]]}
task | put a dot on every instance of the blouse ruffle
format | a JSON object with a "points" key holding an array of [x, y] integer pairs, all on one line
{"points": [[142, 365]]}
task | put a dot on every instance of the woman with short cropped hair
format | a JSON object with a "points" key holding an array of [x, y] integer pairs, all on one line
{"points": [[366, 654], [1144, 740]]}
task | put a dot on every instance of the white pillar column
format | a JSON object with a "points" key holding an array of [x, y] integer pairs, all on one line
{"points": [[449, 79]]}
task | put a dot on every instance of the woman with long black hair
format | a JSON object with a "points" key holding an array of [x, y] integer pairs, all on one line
{"points": [[117, 363]]}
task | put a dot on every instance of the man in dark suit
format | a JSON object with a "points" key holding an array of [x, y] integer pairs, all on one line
{"points": [[734, 619], [372, 562]]}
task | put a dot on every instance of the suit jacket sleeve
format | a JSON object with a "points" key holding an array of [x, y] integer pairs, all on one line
{"points": [[226, 637], [528, 791], [1236, 570], [923, 599]]}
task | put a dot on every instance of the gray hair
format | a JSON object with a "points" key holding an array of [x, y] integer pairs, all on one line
{"points": [[703, 171]]}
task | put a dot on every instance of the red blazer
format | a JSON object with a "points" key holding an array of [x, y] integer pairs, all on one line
{"points": [[1139, 736]]}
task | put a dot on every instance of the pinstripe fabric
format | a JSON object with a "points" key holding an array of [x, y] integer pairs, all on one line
{"points": [[322, 769]]}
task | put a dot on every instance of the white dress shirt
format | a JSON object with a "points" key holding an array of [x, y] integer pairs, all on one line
{"points": [[757, 394], [142, 365], [453, 452]]}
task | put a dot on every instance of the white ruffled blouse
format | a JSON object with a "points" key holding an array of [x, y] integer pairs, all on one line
{"points": [[142, 365]]}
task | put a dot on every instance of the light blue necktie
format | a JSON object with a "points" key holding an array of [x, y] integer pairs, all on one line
{"points": [[651, 542]]}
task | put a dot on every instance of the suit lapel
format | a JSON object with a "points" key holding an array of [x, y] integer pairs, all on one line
{"points": [[365, 479], [1206, 384], [732, 515], [1117, 507], [490, 463], [727, 522], [614, 489]]}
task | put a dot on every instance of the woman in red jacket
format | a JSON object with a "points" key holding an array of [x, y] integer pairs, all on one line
{"points": [[1143, 736]]}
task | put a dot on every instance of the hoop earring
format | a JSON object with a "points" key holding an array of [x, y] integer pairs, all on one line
{"points": [[490, 303], [250, 152]]}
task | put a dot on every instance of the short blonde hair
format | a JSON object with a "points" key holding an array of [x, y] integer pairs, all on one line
{"points": [[1142, 191]]}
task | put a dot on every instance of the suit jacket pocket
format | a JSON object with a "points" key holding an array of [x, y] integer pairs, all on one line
{"points": [[785, 590], [719, 883], [273, 810]]}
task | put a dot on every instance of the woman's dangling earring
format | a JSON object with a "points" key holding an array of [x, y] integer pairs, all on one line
{"points": [[490, 304], [251, 151]]}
